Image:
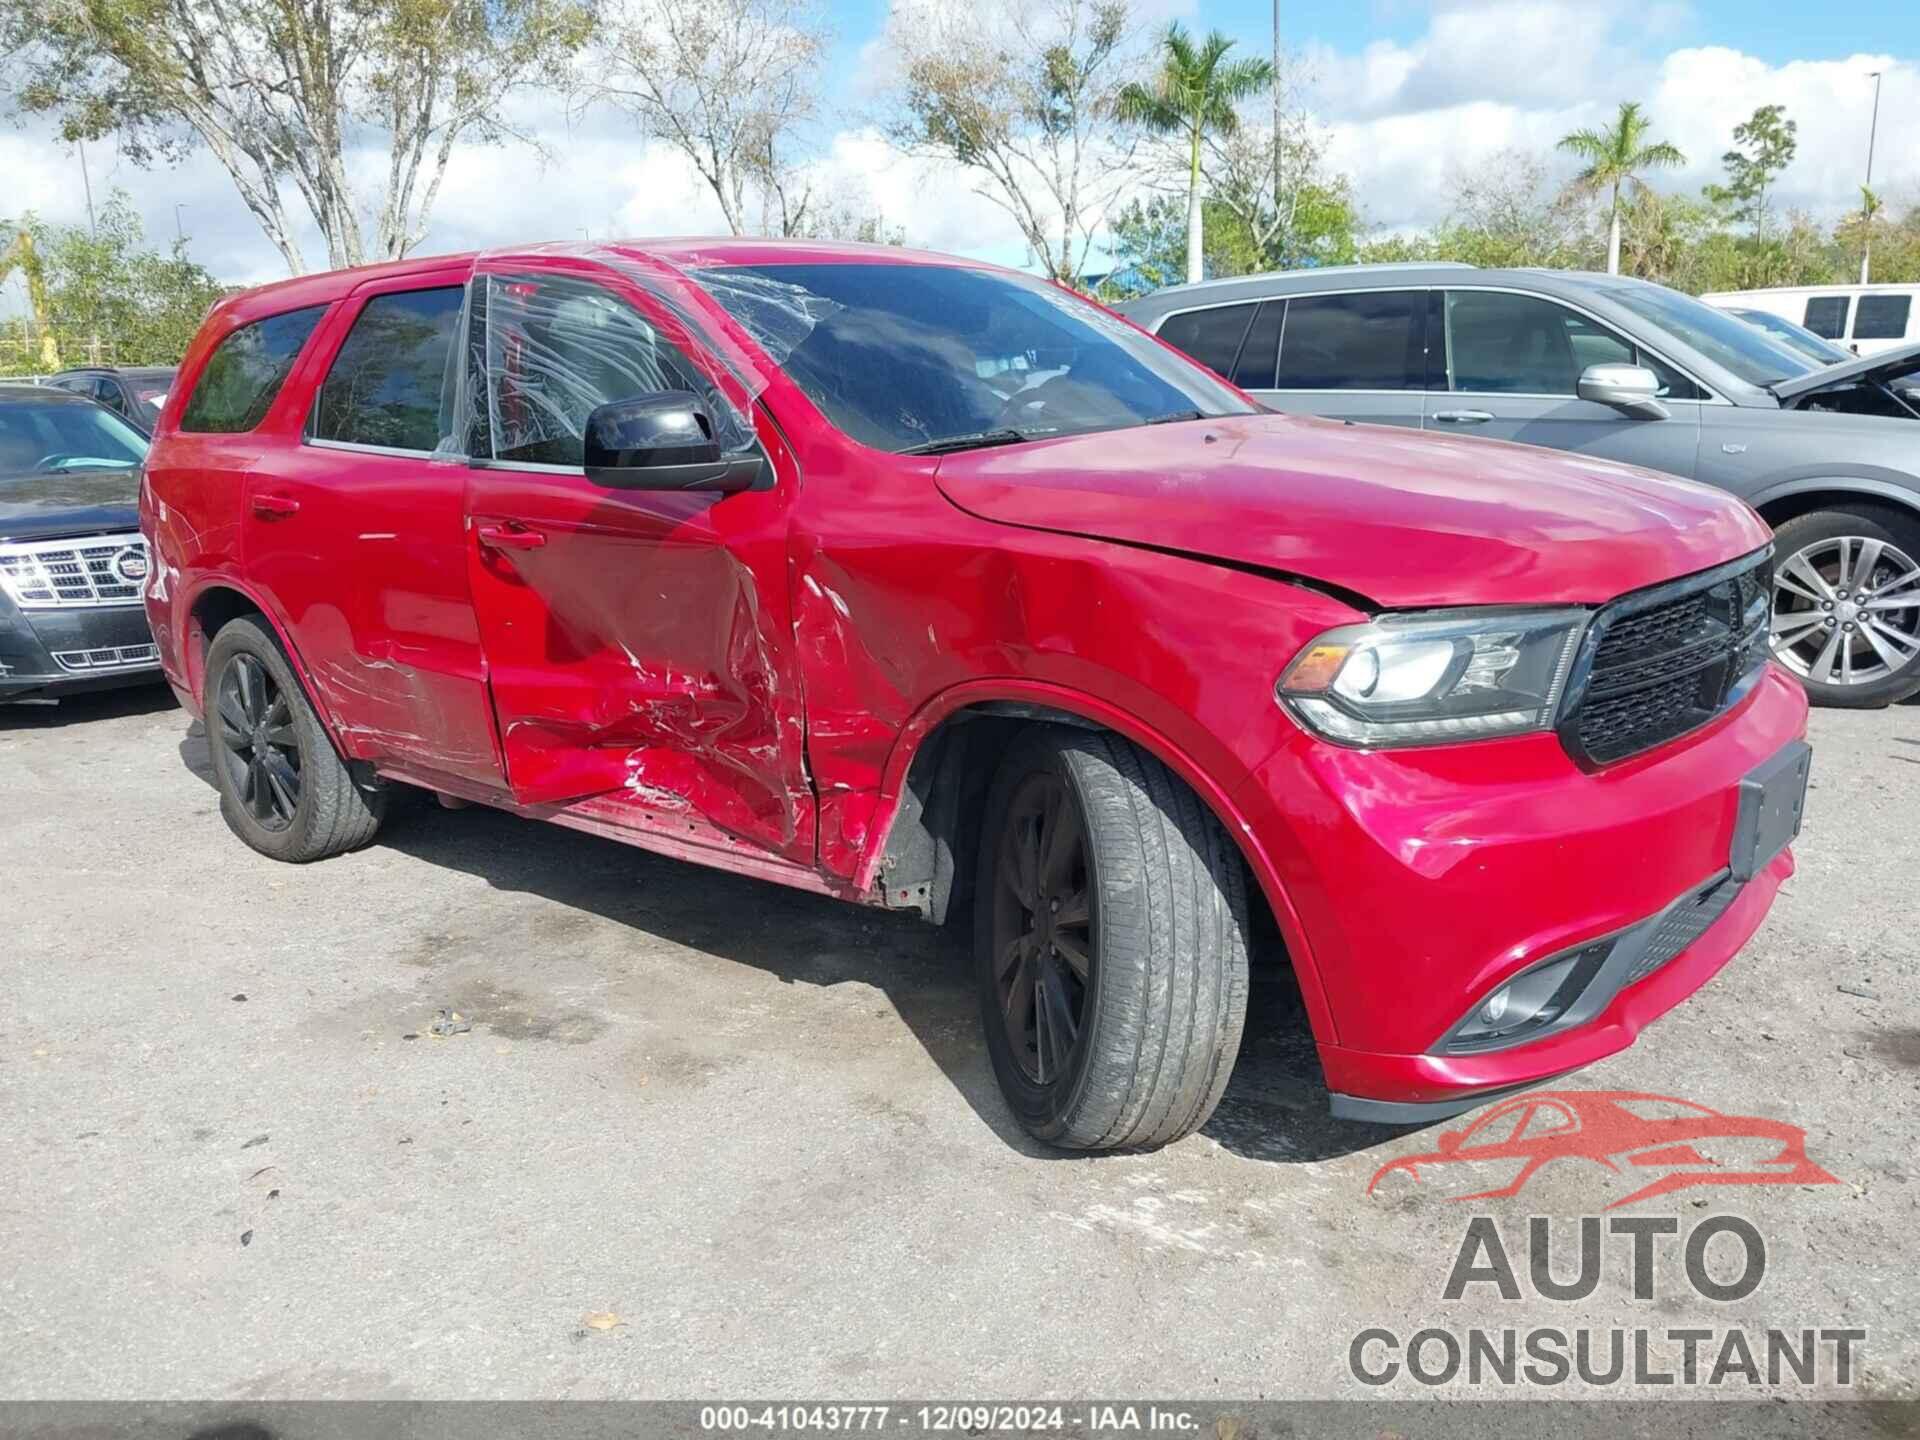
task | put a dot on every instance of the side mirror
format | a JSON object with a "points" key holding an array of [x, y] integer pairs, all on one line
{"points": [[1633, 390], [663, 441]]}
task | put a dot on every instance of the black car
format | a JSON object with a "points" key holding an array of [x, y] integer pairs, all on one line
{"points": [[72, 560], [135, 393]]}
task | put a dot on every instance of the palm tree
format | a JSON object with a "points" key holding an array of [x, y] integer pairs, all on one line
{"points": [[1193, 94], [1615, 157]]}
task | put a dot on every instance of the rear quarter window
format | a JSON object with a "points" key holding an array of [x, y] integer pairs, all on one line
{"points": [[1211, 336], [239, 382]]}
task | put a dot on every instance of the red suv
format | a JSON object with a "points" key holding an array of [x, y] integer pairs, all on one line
{"points": [[931, 586]]}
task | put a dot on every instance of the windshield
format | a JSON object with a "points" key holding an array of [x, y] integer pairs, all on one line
{"points": [[1752, 355], [1797, 336], [928, 358], [44, 438]]}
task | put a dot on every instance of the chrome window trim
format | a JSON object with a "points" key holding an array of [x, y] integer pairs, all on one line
{"points": [[360, 447]]}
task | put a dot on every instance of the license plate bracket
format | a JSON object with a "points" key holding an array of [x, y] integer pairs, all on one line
{"points": [[1773, 799]]}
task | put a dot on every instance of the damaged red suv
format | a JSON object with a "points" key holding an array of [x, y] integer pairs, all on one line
{"points": [[931, 586]]}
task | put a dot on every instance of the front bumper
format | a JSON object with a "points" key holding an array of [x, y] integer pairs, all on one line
{"points": [[1425, 879], [65, 651]]}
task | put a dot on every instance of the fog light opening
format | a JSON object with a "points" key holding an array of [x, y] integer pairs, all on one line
{"points": [[1531, 1002]]}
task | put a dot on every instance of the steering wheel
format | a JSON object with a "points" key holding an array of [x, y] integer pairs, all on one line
{"points": [[52, 462]]}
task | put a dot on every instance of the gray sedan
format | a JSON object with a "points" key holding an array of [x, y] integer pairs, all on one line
{"points": [[1628, 371]]}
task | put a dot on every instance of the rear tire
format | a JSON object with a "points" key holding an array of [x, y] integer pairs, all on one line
{"points": [[1823, 560], [283, 788], [1092, 851]]}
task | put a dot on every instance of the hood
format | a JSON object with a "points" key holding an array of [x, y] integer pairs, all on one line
{"points": [[78, 502], [1884, 369], [1402, 518]]}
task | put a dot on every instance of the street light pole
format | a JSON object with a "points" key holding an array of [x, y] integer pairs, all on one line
{"points": [[1276, 105], [179, 229], [1866, 227], [87, 182]]}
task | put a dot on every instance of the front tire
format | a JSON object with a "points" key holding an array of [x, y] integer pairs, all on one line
{"points": [[1846, 605], [283, 788], [1110, 943]]}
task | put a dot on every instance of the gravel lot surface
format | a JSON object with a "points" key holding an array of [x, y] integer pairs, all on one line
{"points": [[709, 1137]]}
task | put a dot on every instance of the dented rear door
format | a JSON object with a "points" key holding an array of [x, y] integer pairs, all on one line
{"points": [[638, 643]]}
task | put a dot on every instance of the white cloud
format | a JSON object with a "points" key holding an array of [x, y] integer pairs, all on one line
{"points": [[1522, 73]]}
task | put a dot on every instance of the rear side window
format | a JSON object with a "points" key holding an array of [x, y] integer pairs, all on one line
{"points": [[1355, 342], [1882, 317], [384, 387], [1827, 316], [1210, 336], [239, 383]]}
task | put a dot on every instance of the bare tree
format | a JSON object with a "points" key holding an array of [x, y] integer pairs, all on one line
{"points": [[1265, 177], [1022, 95], [730, 84], [280, 91]]}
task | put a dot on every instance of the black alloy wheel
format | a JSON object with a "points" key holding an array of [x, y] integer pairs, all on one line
{"points": [[1043, 928], [258, 743]]}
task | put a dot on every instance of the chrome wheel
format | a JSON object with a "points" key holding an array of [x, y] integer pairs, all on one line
{"points": [[258, 744], [1846, 611]]}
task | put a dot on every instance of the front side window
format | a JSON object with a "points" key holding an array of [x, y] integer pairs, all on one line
{"points": [[910, 357], [1501, 343], [557, 349], [1881, 317], [384, 386], [1355, 342], [1827, 316], [1210, 336], [239, 382]]}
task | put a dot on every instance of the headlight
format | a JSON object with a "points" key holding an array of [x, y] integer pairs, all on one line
{"points": [[1435, 677]]}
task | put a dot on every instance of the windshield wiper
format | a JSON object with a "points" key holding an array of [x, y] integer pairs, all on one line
{"points": [[1173, 417], [978, 440]]}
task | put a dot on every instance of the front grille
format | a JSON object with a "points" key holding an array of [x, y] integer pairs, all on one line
{"points": [[113, 657], [1660, 662], [1684, 924], [75, 574]]}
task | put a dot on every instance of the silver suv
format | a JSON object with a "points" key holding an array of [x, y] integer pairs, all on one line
{"points": [[1628, 371]]}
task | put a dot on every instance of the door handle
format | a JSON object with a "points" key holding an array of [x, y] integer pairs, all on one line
{"points": [[1464, 417], [274, 507], [510, 537]]}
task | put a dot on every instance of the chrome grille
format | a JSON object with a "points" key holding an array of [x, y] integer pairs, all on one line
{"points": [[113, 657], [75, 574]]}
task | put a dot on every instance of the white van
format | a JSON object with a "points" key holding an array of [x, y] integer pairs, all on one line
{"points": [[1865, 318]]}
